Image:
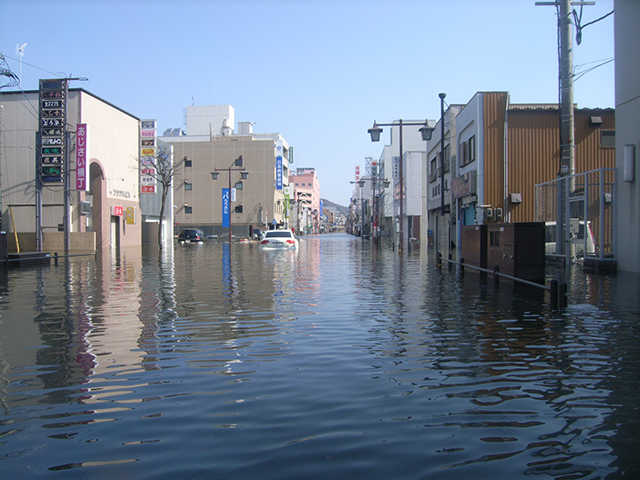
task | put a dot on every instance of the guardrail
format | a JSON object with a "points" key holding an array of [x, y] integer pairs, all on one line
{"points": [[557, 290]]}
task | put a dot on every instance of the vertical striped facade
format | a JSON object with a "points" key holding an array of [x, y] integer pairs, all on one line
{"points": [[529, 153]]}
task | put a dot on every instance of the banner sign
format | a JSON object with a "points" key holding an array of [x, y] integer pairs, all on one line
{"points": [[278, 173], [81, 157], [226, 207], [279, 153]]}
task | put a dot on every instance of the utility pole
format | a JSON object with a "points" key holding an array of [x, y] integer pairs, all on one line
{"points": [[567, 127]]}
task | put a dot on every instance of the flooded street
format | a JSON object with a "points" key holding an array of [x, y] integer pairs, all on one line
{"points": [[335, 361]]}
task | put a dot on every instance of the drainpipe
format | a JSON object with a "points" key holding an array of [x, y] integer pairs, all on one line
{"points": [[506, 217]]}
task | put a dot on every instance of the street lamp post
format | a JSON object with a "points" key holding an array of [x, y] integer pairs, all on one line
{"points": [[244, 174], [361, 200], [442, 95], [375, 132]]}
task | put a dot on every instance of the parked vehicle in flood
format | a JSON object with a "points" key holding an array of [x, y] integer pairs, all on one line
{"points": [[279, 240], [191, 235]]}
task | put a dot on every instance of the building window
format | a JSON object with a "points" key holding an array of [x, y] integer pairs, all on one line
{"points": [[187, 162], [188, 210], [608, 138], [467, 151], [188, 186]]}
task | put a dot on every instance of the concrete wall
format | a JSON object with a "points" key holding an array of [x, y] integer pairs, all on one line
{"points": [[80, 242]]}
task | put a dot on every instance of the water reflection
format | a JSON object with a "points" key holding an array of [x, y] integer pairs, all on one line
{"points": [[337, 360]]}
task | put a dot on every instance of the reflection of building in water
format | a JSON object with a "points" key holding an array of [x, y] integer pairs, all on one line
{"points": [[112, 329]]}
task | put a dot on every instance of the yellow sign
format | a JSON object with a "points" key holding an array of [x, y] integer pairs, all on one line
{"points": [[131, 215]]}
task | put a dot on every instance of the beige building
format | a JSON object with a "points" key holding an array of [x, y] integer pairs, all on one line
{"points": [[107, 214], [198, 197]]}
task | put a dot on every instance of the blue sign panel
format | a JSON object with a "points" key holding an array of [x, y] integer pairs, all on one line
{"points": [[278, 173], [226, 207]]}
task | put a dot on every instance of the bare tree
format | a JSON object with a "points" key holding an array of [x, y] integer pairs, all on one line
{"points": [[161, 168]]}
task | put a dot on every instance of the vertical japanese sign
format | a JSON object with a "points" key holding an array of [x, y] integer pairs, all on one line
{"points": [[148, 156], [81, 157], [226, 207], [53, 120], [279, 165], [357, 173]]}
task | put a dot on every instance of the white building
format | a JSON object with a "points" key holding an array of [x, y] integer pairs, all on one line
{"points": [[107, 213], [627, 84]]}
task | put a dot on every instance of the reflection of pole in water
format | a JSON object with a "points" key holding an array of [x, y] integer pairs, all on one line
{"points": [[227, 271]]}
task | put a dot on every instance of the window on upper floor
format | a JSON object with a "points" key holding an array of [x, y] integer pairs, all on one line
{"points": [[188, 186], [607, 138], [188, 210], [467, 151], [187, 162]]}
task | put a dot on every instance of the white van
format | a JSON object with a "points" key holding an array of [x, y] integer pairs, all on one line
{"points": [[577, 233]]}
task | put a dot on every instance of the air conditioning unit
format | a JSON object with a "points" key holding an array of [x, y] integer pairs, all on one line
{"points": [[85, 208], [488, 215]]}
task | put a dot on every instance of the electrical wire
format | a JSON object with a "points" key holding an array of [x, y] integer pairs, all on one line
{"points": [[578, 19]]}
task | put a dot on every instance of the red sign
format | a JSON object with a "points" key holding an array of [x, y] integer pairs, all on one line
{"points": [[147, 189], [119, 211], [81, 157]]}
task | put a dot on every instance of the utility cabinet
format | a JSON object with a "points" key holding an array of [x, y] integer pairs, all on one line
{"points": [[517, 249], [474, 245]]}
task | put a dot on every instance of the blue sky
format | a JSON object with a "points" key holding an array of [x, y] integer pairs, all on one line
{"points": [[317, 71]]}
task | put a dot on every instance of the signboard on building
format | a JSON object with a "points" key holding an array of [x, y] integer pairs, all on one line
{"points": [[131, 215], [464, 184], [117, 210], [52, 121], [81, 157], [147, 156]]}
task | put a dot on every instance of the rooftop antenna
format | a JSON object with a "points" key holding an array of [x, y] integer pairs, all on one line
{"points": [[20, 51]]}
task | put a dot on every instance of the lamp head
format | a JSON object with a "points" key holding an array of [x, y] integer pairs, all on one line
{"points": [[244, 175], [426, 132], [214, 175], [375, 132]]}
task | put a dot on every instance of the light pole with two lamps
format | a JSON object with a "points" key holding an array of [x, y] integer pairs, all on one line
{"points": [[360, 184], [376, 197], [226, 208], [426, 132]]}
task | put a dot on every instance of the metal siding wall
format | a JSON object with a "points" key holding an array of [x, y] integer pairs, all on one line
{"points": [[534, 156], [494, 110], [534, 151]]}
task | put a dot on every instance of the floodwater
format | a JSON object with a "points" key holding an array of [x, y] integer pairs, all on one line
{"points": [[333, 362]]}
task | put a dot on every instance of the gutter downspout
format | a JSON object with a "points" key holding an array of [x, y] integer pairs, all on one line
{"points": [[505, 153]]}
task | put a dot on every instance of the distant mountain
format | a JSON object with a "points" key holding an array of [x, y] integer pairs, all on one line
{"points": [[334, 206]]}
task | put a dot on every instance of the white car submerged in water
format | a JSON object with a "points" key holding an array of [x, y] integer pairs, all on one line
{"points": [[279, 240]]}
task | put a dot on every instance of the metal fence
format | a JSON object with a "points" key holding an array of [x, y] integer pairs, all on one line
{"points": [[579, 212]]}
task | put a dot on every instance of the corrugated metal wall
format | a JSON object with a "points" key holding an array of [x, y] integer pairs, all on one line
{"points": [[534, 151], [494, 115]]}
